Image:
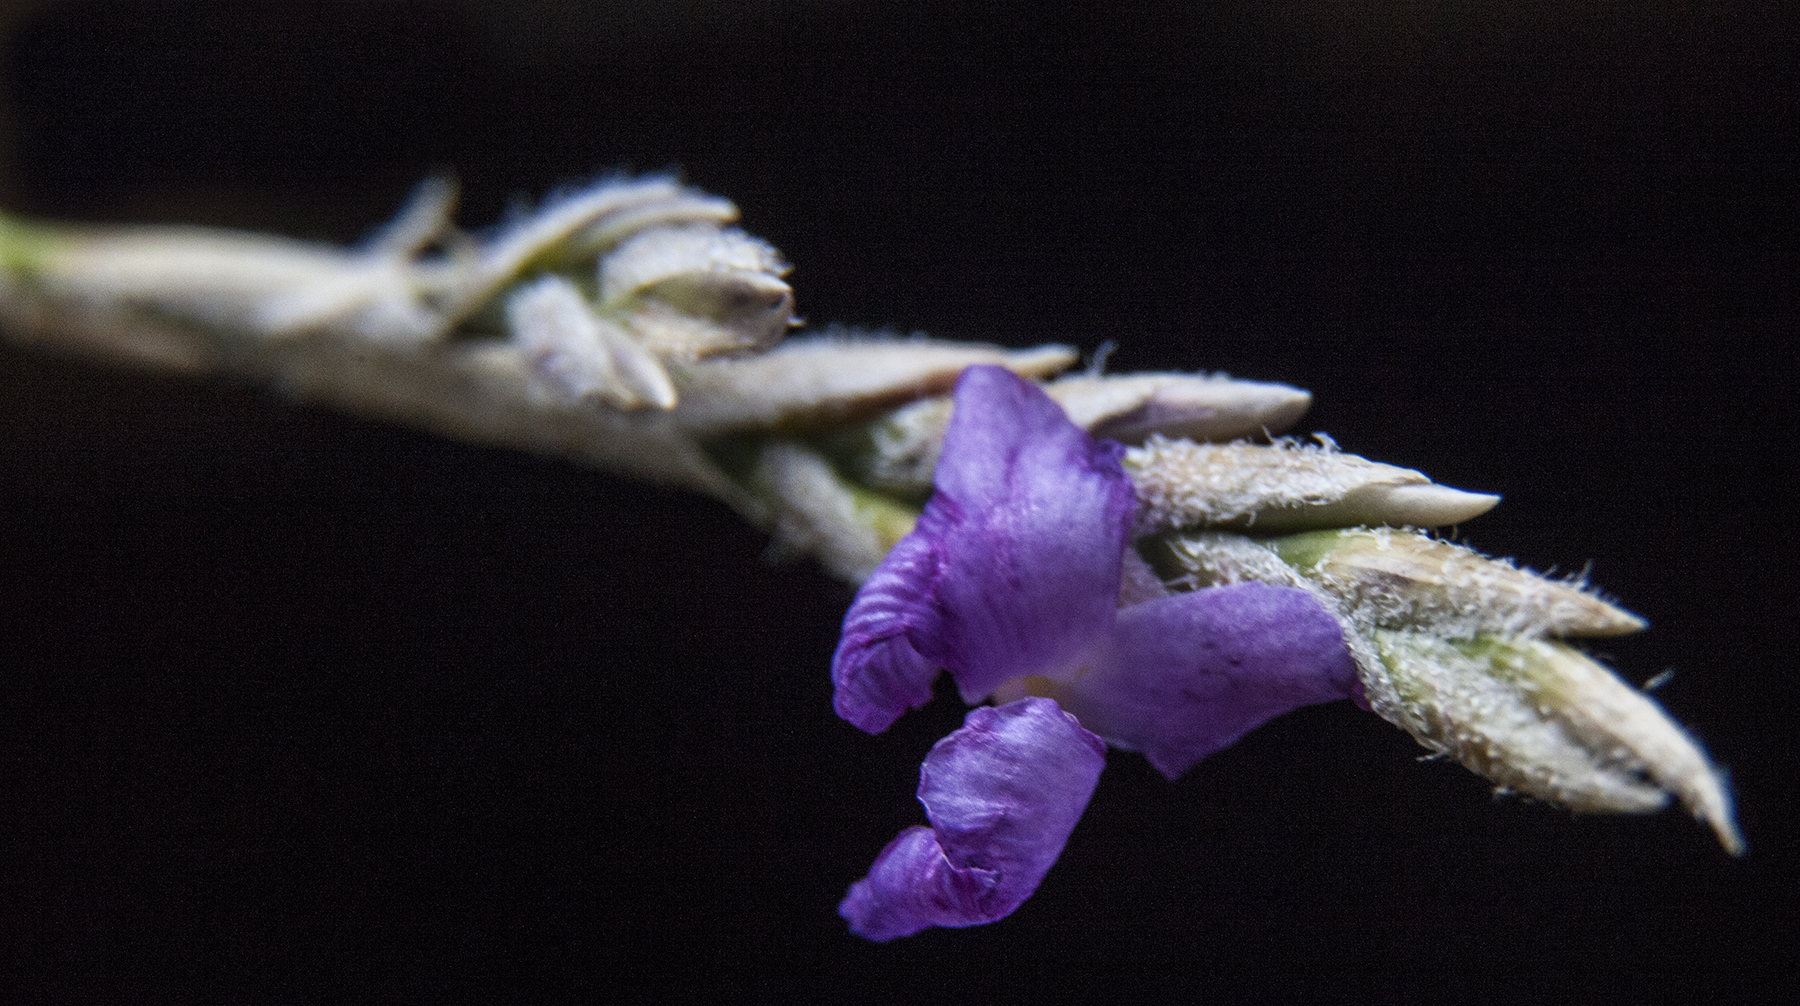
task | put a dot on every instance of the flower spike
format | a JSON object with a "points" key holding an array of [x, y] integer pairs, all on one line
{"points": [[1131, 594]]}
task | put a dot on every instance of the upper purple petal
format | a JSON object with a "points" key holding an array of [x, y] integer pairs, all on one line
{"points": [[1013, 567], [1003, 793], [1031, 575], [1189, 674]]}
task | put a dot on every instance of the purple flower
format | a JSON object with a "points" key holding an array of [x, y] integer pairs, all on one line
{"points": [[1012, 578]]}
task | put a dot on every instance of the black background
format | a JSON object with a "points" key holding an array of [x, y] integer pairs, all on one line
{"points": [[288, 698]]}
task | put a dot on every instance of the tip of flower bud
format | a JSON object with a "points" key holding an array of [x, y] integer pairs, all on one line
{"points": [[1130, 407], [1611, 716], [1542, 718], [1719, 815], [1423, 505], [699, 315], [1286, 487]]}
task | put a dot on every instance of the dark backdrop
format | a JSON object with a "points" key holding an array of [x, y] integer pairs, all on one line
{"points": [[286, 696]]}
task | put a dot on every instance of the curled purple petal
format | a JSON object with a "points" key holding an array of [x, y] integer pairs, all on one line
{"points": [[1188, 675], [1014, 565], [1003, 793], [877, 672]]}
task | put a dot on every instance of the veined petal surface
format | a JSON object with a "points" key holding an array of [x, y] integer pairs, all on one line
{"points": [[877, 672], [1189, 674], [1037, 514], [1003, 794], [1014, 565]]}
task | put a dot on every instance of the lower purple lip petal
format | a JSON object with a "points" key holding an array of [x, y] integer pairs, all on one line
{"points": [[1003, 793], [1190, 674]]}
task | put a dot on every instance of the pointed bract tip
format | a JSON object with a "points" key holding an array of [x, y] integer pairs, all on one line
{"points": [[1431, 505], [1542, 718], [1719, 816]]}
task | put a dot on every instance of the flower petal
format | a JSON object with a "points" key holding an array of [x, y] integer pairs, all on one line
{"points": [[1031, 572], [1003, 793], [877, 672], [1014, 565], [1188, 675]]}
